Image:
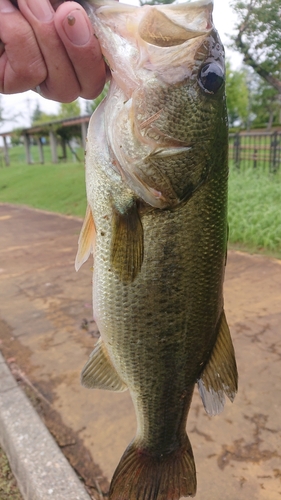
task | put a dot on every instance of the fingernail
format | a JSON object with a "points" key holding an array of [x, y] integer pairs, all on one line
{"points": [[42, 9], [76, 28], [6, 7]]}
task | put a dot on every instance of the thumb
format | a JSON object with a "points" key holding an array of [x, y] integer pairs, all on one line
{"points": [[76, 32]]}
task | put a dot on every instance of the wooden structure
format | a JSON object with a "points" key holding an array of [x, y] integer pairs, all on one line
{"points": [[58, 131]]}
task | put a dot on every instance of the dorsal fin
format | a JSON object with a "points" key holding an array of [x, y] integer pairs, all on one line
{"points": [[86, 239]]}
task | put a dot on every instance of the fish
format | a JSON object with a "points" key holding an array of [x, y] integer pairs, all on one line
{"points": [[156, 224]]}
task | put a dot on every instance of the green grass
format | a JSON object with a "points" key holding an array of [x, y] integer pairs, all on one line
{"points": [[254, 198], [8, 485], [254, 211], [58, 188]]}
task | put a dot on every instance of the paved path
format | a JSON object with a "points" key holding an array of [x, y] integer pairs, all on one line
{"points": [[46, 334]]}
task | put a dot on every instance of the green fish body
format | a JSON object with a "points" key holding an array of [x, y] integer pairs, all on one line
{"points": [[156, 177]]}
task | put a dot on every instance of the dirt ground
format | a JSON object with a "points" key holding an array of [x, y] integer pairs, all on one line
{"points": [[47, 333]]}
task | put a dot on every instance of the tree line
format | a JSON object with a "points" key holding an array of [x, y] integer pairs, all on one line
{"points": [[254, 91]]}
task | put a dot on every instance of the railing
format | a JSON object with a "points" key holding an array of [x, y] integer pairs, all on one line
{"points": [[255, 150]]}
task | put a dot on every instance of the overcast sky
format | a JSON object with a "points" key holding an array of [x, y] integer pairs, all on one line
{"points": [[25, 103]]}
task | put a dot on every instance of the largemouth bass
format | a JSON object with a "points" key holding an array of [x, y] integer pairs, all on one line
{"points": [[156, 223]]}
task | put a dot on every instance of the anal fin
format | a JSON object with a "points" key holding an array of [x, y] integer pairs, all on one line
{"points": [[220, 375], [99, 372], [86, 239], [127, 242]]}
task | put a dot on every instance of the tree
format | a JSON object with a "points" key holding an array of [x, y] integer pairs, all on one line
{"points": [[92, 105], [37, 114], [237, 95], [251, 101], [258, 37], [7, 115], [69, 110], [265, 103], [45, 118]]}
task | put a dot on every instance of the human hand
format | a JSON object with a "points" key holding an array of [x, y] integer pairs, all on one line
{"points": [[51, 44]]}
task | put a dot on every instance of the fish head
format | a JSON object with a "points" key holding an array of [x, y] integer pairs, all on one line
{"points": [[169, 129], [165, 39]]}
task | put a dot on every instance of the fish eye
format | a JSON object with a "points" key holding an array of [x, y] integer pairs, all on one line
{"points": [[211, 78]]}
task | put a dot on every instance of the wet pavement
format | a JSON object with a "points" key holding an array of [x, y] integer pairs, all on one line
{"points": [[47, 333]]}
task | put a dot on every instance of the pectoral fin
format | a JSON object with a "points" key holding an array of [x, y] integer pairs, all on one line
{"points": [[99, 372], [86, 239], [127, 242], [220, 374]]}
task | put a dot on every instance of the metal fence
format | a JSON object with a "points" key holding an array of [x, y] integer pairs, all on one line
{"points": [[256, 150]]}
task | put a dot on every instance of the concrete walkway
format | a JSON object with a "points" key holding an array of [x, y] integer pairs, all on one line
{"points": [[40, 468], [47, 333]]}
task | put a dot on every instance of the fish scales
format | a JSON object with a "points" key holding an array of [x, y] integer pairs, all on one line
{"points": [[172, 100], [156, 178]]}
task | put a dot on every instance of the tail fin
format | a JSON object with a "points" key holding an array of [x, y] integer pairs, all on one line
{"points": [[142, 476]]}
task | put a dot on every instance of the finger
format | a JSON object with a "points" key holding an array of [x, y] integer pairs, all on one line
{"points": [[54, 3], [21, 63], [61, 83], [76, 32]]}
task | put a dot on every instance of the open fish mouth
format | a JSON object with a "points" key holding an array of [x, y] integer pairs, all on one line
{"points": [[162, 25], [163, 38], [167, 27]]}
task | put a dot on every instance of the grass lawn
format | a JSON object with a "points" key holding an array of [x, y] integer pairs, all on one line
{"points": [[254, 211], [254, 198], [58, 188]]}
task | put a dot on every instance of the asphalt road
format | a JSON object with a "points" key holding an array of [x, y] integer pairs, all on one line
{"points": [[47, 333]]}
